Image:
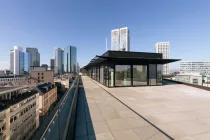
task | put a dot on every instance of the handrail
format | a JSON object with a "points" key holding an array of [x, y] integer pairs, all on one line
{"points": [[70, 127], [61, 104]]}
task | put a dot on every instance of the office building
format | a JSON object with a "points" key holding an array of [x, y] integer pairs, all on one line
{"points": [[78, 68], [70, 59], [59, 61], [17, 61], [191, 78], [202, 67], [27, 62], [52, 64], [115, 40], [124, 39], [39, 75], [164, 48], [19, 112], [47, 96], [121, 68], [12, 61], [120, 39], [35, 56], [14, 81]]}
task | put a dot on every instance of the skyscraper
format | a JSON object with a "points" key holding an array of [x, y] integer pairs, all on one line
{"points": [[164, 48], [35, 56], [59, 64], [12, 61], [52, 64], [120, 39], [115, 40], [124, 39], [70, 59], [27, 62], [17, 60]]}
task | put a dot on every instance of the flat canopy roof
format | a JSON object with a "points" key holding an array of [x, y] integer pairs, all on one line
{"points": [[120, 57]]}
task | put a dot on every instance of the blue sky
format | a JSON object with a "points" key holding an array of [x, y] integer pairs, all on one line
{"points": [[46, 24]]}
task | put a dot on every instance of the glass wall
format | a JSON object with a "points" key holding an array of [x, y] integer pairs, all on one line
{"points": [[152, 74], [159, 74], [122, 75], [139, 75], [58, 61], [27, 62], [21, 58], [106, 76], [98, 74], [101, 74], [111, 77], [70, 59], [94, 73]]}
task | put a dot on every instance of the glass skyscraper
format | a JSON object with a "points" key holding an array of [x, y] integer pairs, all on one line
{"points": [[35, 56], [27, 62], [59, 65], [70, 59], [21, 63]]}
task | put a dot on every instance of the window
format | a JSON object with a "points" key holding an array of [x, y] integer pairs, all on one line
{"points": [[139, 75], [122, 75], [195, 81], [152, 74]]}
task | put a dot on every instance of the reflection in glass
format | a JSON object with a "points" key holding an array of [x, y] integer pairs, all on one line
{"points": [[123, 75], [152, 74], [106, 76], [159, 74], [111, 77], [97, 74], [139, 75], [101, 74]]}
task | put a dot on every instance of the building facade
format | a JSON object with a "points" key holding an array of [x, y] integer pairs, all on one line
{"points": [[121, 68], [18, 62], [20, 113], [192, 78], [12, 61], [35, 56], [59, 62], [120, 39], [27, 62], [52, 64], [124, 39], [164, 48], [202, 67], [47, 96], [115, 40], [40, 75], [70, 59], [14, 81]]}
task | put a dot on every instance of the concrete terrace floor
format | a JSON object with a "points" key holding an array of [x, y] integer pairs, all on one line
{"points": [[102, 117], [182, 112]]}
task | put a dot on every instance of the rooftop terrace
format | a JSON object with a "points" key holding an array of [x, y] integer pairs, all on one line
{"points": [[179, 111]]}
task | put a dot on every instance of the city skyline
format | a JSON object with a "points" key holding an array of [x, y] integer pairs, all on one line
{"points": [[187, 28]]}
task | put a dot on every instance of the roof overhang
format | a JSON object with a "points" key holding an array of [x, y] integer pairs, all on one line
{"points": [[97, 60]]}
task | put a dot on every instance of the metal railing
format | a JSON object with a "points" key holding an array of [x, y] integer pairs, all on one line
{"points": [[75, 83], [70, 127]]}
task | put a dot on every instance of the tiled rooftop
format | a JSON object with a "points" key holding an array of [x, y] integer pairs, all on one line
{"points": [[180, 111], [100, 116]]}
